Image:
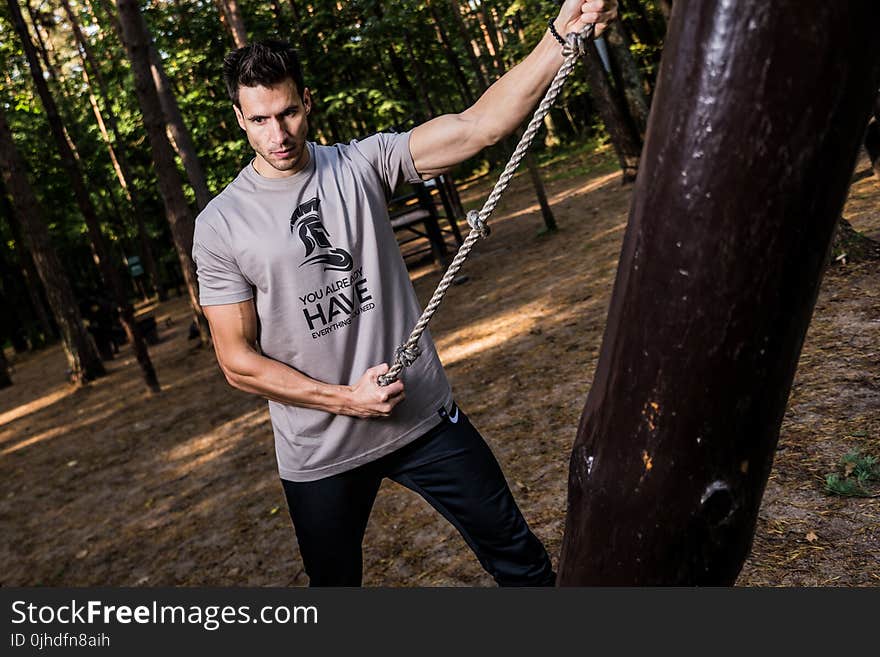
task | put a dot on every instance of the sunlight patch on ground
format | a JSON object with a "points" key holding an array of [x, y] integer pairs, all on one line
{"points": [[208, 446], [489, 333], [95, 419], [564, 195], [36, 405]]}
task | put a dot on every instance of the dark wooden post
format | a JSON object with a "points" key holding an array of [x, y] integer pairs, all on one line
{"points": [[752, 139]]}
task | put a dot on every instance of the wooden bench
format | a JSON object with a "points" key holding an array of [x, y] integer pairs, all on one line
{"points": [[416, 216]]}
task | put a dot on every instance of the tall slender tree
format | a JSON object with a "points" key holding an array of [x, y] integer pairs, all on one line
{"points": [[117, 153], [84, 363], [29, 274], [172, 118], [627, 78], [623, 133], [182, 223], [450, 54], [234, 21], [77, 181]]}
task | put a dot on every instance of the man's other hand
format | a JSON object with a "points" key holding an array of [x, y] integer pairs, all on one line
{"points": [[368, 399], [575, 15]]}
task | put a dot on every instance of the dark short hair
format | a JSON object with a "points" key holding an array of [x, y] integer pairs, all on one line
{"points": [[261, 64]]}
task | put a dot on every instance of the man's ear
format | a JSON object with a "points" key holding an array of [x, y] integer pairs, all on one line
{"points": [[307, 100], [239, 116]]}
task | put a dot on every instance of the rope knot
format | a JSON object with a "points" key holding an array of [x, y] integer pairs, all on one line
{"points": [[407, 355], [479, 224], [576, 42]]}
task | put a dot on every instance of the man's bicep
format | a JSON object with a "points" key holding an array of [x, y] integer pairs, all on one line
{"points": [[445, 141]]}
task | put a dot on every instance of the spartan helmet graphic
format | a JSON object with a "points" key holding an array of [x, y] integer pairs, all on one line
{"points": [[306, 222]]}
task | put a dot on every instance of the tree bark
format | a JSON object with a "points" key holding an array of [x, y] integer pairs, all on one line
{"points": [[451, 56], [723, 254], [624, 136], [108, 272], [28, 270], [420, 78], [665, 7], [476, 65], [137, 44], [118, 155], [489, 30], [84, 363], [234, 22], [5, 379], [173, 120], [541, 193], [627, 76], [406, 87], [872, 139]]}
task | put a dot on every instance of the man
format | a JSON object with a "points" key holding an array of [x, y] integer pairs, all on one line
{"points": [[307, 296]]}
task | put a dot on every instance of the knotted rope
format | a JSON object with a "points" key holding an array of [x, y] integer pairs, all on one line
{"points": [[407, 353]]}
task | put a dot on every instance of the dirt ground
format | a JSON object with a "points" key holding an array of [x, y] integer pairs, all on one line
{"points": [[107, 485]]}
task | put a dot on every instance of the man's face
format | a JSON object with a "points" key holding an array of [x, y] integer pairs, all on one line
{"points": [[275, 121]]}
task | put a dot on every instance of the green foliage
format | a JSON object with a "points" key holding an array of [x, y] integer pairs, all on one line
{"points": [[859, 476], [370, 65]]}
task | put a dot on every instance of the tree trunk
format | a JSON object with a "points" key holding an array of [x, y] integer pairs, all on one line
{"points": [[473, 56], [181, 221], [234, 21], [624, 136], [118, 155], [451, 56], [679, 430], [5, 379], [178, 134], [487, 27], [279, 16], [296, 14], [627, 76], [872, 139], [420, 77], [665, 7], [406, 88], [84, 363], [541, 192], [108, 272], [28, 270], [173, 120]]}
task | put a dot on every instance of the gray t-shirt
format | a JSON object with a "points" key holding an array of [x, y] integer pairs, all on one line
{"points": [[317, 252]]}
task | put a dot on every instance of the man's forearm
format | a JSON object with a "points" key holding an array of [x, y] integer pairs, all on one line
{"points": [[274, 380]]}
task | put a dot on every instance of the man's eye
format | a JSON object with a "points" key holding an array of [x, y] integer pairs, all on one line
{"points": [[258, 120]]}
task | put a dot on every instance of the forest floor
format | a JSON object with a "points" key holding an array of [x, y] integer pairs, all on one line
{"points": [[107, 485]]}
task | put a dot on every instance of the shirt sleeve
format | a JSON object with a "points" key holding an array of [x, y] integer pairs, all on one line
{"points": [[220, 279], [390, 156]]}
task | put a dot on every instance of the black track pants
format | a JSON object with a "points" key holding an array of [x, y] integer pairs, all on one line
{"points": [[452, 468]]}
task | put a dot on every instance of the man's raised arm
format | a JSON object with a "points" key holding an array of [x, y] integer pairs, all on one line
{"points": [[447, 140], [234, 331]]}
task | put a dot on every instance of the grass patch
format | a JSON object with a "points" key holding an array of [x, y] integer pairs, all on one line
{"points": [[858, 476]]}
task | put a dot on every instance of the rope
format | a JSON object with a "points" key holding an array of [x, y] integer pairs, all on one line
{"points": [[408, 352]]}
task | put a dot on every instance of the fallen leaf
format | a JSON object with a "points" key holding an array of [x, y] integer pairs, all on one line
{"points": [[811, 536]]}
